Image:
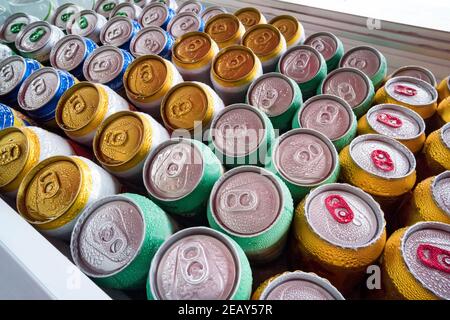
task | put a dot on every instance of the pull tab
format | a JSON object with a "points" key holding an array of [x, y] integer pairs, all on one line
{"points": [[108, 6], [37, 34], [382, 160], [83, 23], [405, 90], [121, 14], [434, 257], [339, 208], [389, 120], [66, 16], [16, 27]]}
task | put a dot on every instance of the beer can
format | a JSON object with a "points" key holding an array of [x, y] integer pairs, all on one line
{"points": [[13, 24], [297, 285], [443, 88], [222, 271], [225, 29], [119, 31], [369, 60], [140, 3], [105, 7], [267, 43], [152, 40], [124, 140], [233, 70], [193, 6], [331, 116], [250, 16], [339, 230], [171, 4], [276, 95], [179, 175], [70, 52], [40, 92], [329, 46], [127, 9], [415, 263], [116, 237], [36, 40], [352, 85], [183, 23], [87, 24], [291, 29], [193, 54], [12, 118], [83, 107], [107, 65], [212, 11], [437, 150], [22, 148], [13, 72], [409, 92], [156, 14], [5, 52], [306, 66], [241, 134], [58, 189], [443, 111], [418, 72], [395, 121], [303, 159], [64, 13], [147, 80]]}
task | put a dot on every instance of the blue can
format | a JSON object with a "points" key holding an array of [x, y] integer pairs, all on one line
{"points": [[70, 52], [156, 14], [152, 40], [119, 31], [13, 72], [12, 118]]}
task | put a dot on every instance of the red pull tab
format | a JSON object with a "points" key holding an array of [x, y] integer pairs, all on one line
{"points": [[382, 160], [389, 120], [339, 208], [434, 257], [405, 90]]}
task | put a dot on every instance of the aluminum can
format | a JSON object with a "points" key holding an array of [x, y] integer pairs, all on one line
{"points": [[183, 23], [12, 118], [193, 6], [290, 28], [64, 13], [225, 29], [156, 14], [140, 3], [171, 4], [250, 16], [329, 46], [212, 11], [105, 7], [88, 24], [119, 31], [127, 9], [443, 111], [5, 52], [152, 40], [12, 25], [437, 150], [443, 88], [418, 72]]}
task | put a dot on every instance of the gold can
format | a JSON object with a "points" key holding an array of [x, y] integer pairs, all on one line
{"points": [[443, 88], [250, 16], [225, 29], [443, 110], [437, 150], [290, 28]]}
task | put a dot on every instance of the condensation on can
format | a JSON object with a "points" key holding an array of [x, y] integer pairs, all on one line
{"points": [[225, 29], [329, 46], [437, 150], [152, 40], [185, 22]]}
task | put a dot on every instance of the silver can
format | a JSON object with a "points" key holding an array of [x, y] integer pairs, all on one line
{"points": [[5, 52], [87, 23], [172, 4], [140, 3], [185, 22], [193, 6], [213, 11], [127, 9], [64, 14], [156, 15], [152, 40], [105, 7], [13, 25]]}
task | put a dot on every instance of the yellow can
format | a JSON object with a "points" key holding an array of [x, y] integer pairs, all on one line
{"points": [[290, 28], [250, 16], [437, 150], [443, 110], [225, 29], [444, 88]]}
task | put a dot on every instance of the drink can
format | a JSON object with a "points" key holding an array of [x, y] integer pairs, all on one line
{"points": [[58, 189], [88, 24], [443, 111], [179, 175], [156, 14], [22, 148], [329, 46], [306, 66], [291, 29], [36, 40], [147, 80], [193, 6], [223, 272], [339, 230], [297, 285], [140, 3], [12, 118], [127, 9], [5, 52], [415, 263], [443, 88], [233, 70], [212, 11], [331, 116], [83, 107], [124, 140], [369, 60], [278, 96], [70, 52], [152, 40], [303, 159], [13, 72], [267, 43], [115, 239], [105, 7], [395, 121], [418, 72], [171, 4], [119, 31], [241, 134], [193, 54], [225, 29], [183, 23], [437, 150], [250, 16], [352, 85], [12, 25], [64, 13]]}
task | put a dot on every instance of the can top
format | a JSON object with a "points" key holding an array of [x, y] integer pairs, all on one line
{"points": [[395, 121], [365, 58], [324, 42], [38, 89], [64, 13], [382, 156], [104, 7], [192, 47], [445, 135], [300, 285], [34, 36], [13, 25], [304, 156], [183, 23], [439, 190], [108, 236], [418, 72], [172, 4], [249, 16], [344, 216], [222, 27], [14, 146], [12, 71], [190, 6], [195, 263], [84, 23], [68, 53], [288, 26], [117, 31], [104, 64], [301, 63], [263, 39], [327, 114], [155, 14], [212, 11], [126, 9], [140, 3], [350, 84], [173, 170], [425, 248], [150, 40], [411, 91], [234, 63]]}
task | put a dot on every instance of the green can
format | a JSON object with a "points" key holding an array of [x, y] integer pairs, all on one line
{"points": [[329, 46], [179, 175], [303, 159], [241, 134], [329, 115], [115, 239], [278, 96], [253, 207], [199, 263]]}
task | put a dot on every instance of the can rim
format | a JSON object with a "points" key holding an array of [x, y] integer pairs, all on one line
{"points": [[364, 47], [318, 55], [428, 87], [188, 232], [148, 8], [436, 179], [212, 8], [210, 54], [182, 15], [60, 43], [287, 17], [8, 22], [109, 23], [361, 194], [278, 48], [97, 51], [185, 3], [224, 15], [140, 33], [418, 68], [58, 11], [124, 4], [7, 61], [328, 34], [444, 128], [82, 13], [28, 27]]}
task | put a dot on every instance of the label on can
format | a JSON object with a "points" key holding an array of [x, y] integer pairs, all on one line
{"points": [[151, 40], [323, 43], [39, 88], [366, 59], [234, 64], [348, 85], [287, 25], [104, 65], [183, 23], [69, 53], [12, 72], [13, 155], [300, 64], [262, 40], [117, 31], [155, 14]]}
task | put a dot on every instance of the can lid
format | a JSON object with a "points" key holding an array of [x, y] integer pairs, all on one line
{"points": [[104, 7], [38, 89], [288, 26], [126, 9], [183, 23], [411, 91], [212, 11], [13, 25], [150, 40], [301, 63], [364, 58], [418, 72], [249, 16], [425, 248], [117, 31], [190, 6], [324, 42], [64, 13], [34, 36], [155, 14], [84, 23], [104, 64], [191, 48], [234, 63], [222, 27], [12, 72], [263, 39], [445, 135], [14, 148], [68, 53], [439, 190]]}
